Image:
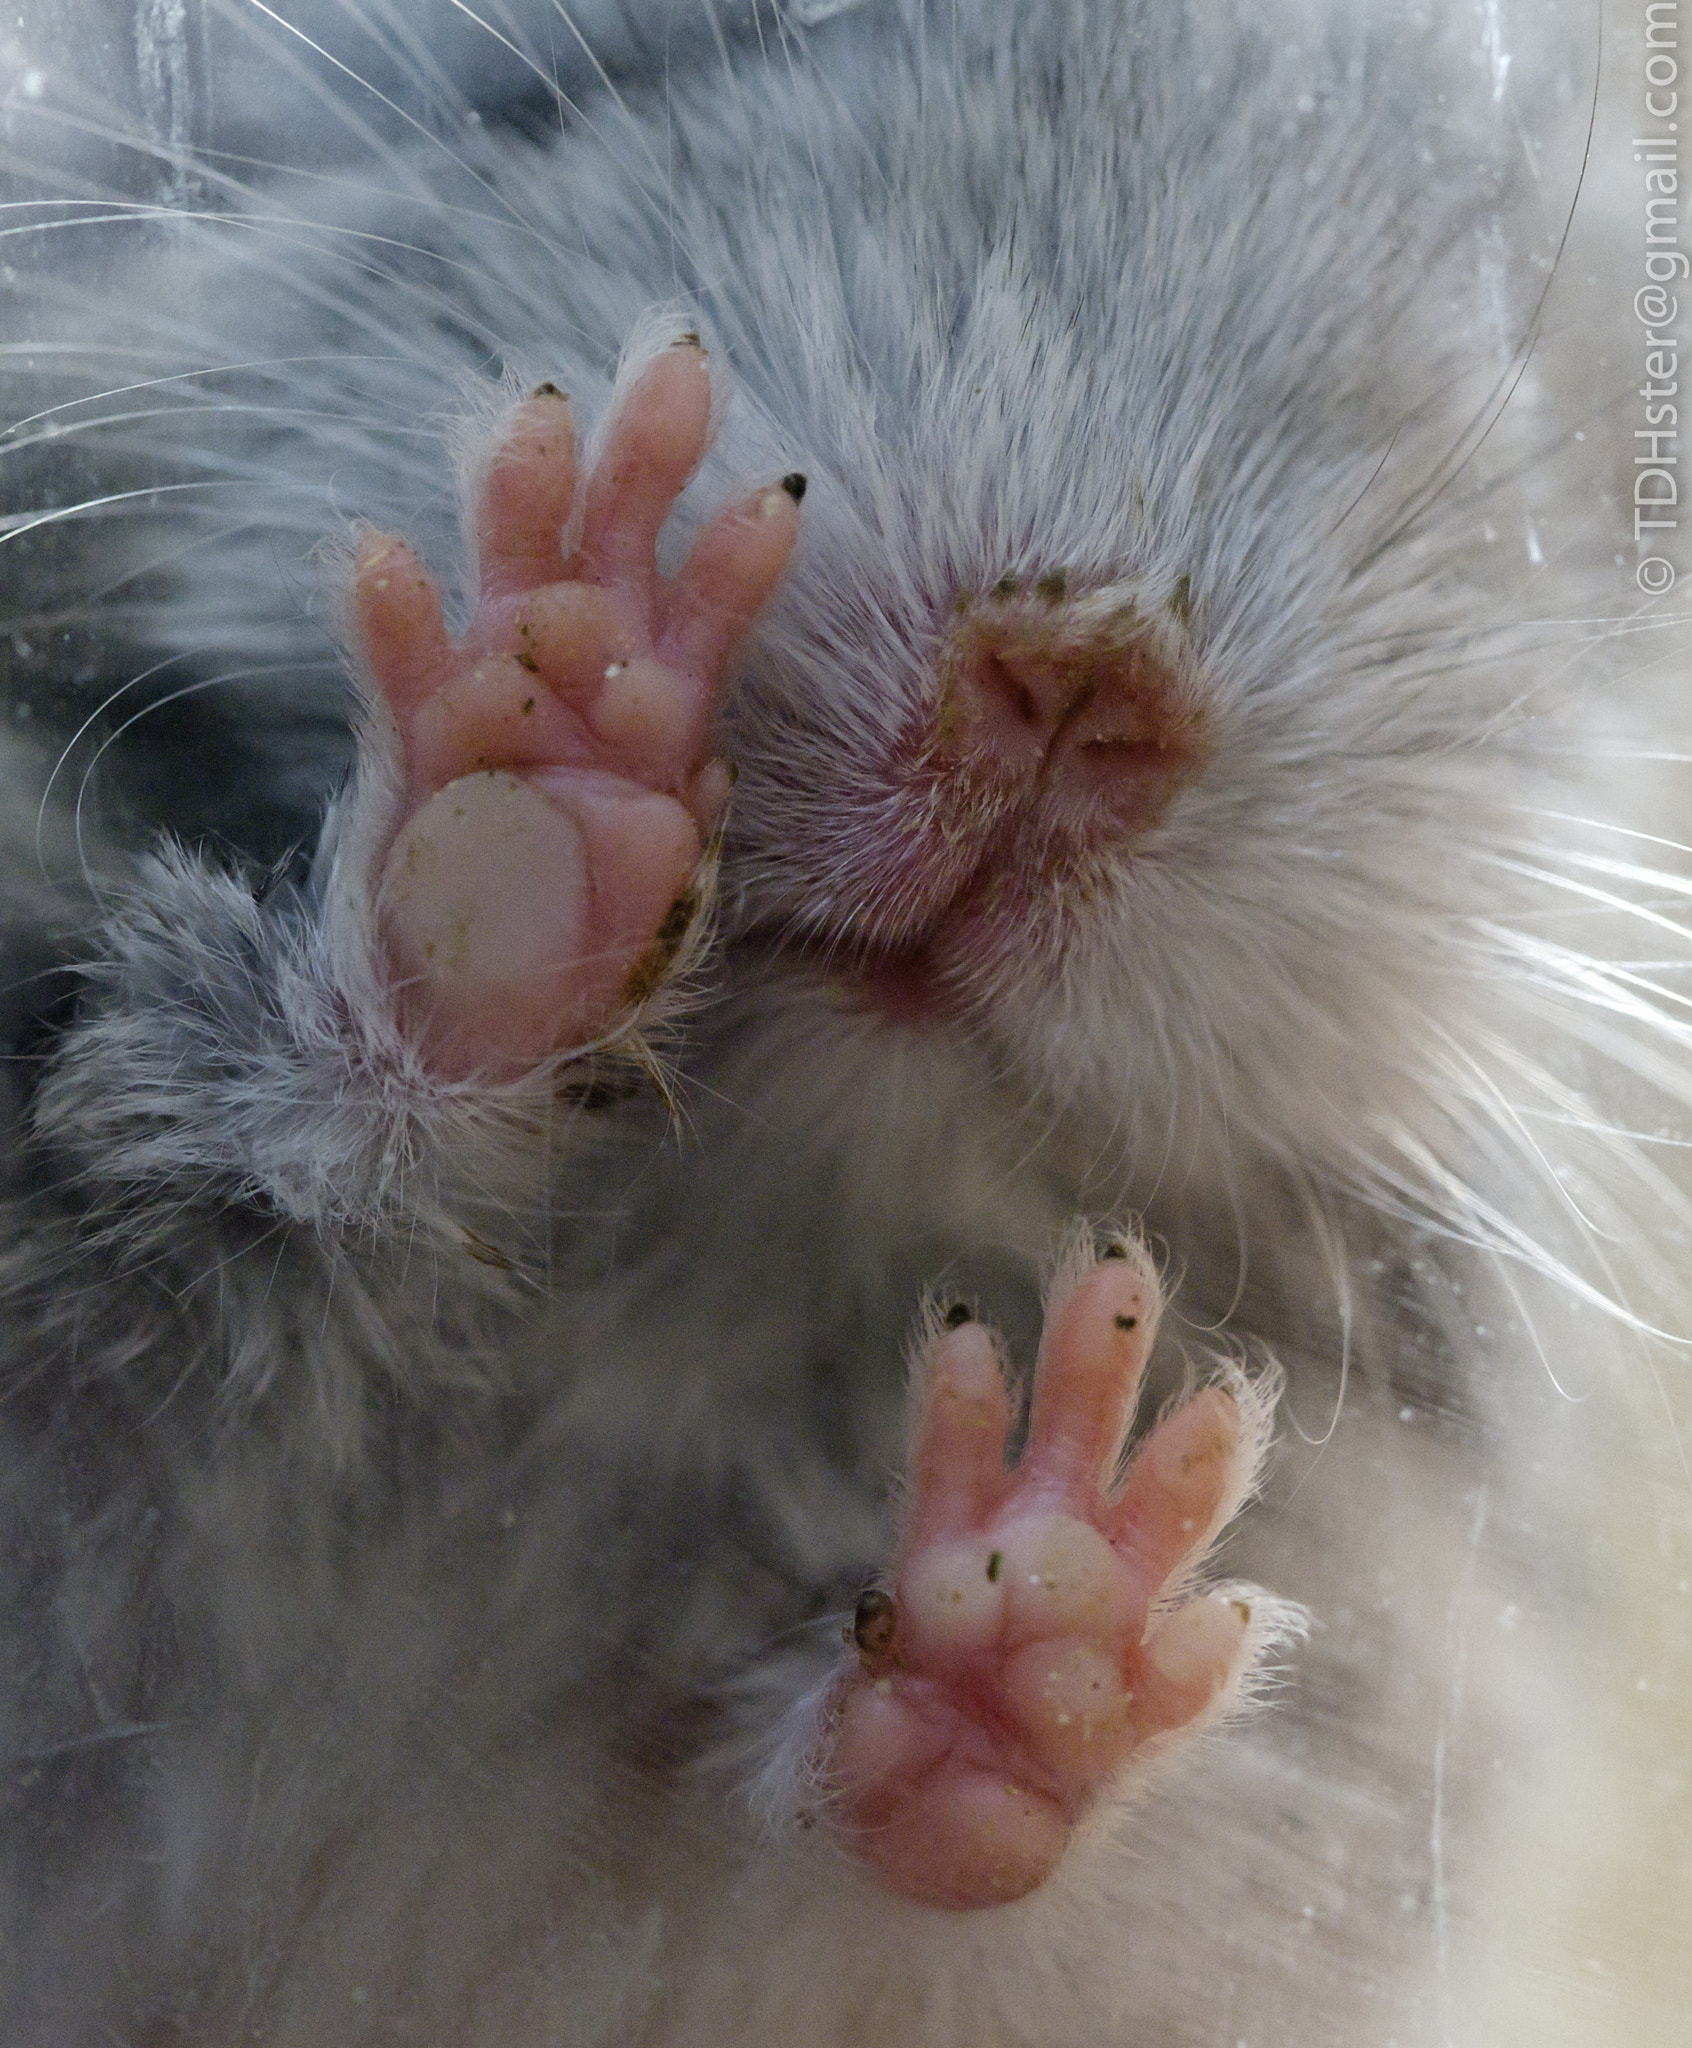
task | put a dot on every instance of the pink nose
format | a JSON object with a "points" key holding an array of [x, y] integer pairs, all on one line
{"points": [[1088, 705]]}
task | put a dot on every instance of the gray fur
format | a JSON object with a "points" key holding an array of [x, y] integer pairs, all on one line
{"points": [[424, 1508]]}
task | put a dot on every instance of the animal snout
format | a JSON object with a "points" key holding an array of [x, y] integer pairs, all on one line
{"points": [[1082, 698]]}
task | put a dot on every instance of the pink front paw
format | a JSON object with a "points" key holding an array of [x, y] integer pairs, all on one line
{"points": [[1023, 1658], [558, 794]]}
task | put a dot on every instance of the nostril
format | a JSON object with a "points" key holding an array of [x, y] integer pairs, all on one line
{"points": [[1013, 698], [1075, 697], [1013, 691]]}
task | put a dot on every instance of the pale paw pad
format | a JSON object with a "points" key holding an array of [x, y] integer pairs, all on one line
{"points": [[1027, 1647], [557, 788]]}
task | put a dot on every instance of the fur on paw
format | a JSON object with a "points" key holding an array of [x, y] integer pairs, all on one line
{"points": [[1039, 1638], [543, 863]]}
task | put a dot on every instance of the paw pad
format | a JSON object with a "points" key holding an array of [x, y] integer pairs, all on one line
{"points": [[1026, 1649], [540, 877]]}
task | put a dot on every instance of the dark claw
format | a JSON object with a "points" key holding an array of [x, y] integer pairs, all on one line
{"points": [[874, 1623]]}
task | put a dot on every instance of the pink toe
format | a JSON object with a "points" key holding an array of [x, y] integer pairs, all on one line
{"points": [[958, 1457], [1088, 1377], [1176, 1485], [1188, 1662], [397, 613], [526, 495], [655, 445], [735, 565]]}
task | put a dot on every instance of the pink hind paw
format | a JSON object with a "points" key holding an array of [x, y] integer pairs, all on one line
{"points": [[558, 794], [1023, 1657]]}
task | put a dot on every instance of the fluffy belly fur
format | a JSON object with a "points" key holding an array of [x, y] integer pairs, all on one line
{"points": [[1070, 679]]}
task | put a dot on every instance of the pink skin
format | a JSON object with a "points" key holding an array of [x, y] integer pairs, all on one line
{"points": [[1017, 1673], [558, 793]]}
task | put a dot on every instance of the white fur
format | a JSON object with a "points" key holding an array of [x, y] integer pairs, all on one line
{"points": [[426, 1512]]}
